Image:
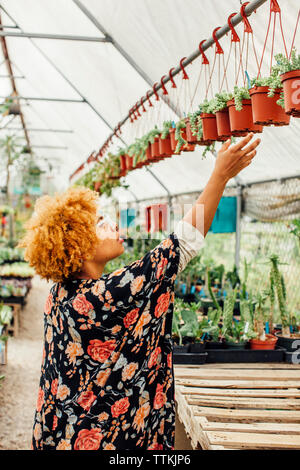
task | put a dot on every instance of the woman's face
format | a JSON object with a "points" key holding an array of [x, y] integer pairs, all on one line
{"points": [[110, 244]]}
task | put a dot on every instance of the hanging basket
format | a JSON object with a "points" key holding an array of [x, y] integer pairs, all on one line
{"points": [[209, 125], [291, 90], [266, 111], [223, 123], [241, 122], [97, 185], [191, 139], [155, 154], [173, 141], [269, 343], [165, 148], [129, 162]]}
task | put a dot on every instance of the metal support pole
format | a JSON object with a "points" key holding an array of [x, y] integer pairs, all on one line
{"points": [[238, 227], [63, 37], [38, 98], [65, 131], [162, 185]]}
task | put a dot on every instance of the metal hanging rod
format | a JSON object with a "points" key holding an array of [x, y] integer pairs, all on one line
{"points": [[57, 147], [64, 37]]}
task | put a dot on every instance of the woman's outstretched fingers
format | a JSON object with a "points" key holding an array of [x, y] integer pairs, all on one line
{"points": [[251, 147], [243, 142]]}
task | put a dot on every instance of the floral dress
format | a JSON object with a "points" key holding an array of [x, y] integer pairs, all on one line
{"points": [[107, 373]]}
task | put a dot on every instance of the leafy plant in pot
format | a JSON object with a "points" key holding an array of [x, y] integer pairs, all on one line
{"points": [[192, 328], [209, 121], [240, 113], [259, 338], [222, 114], [265, 96], [178, 345], [233, 331], [289, 69], [181, 138], [214, 317], [153, 137], [165, 147]]}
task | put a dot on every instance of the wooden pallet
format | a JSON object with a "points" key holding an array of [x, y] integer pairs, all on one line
{"points": [[239, 406], [15, 324]]}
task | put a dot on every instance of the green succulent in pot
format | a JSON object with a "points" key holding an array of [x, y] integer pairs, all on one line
{"points": [[178, 135], [166, 129], [220, 101], [239, 94]]}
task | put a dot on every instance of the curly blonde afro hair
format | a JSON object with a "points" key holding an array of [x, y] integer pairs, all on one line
{"points": [[61, 233]]}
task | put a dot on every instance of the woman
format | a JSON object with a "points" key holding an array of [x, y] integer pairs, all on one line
{"points": [[107, 374]]}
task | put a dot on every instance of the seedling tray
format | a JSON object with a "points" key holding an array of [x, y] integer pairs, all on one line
{"points": [[13, 300], [245, 355]]}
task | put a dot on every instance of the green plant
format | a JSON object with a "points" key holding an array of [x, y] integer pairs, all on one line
{"points": [[5, 314], [208, 106], [178, 135], [285, 64], [220, 101], [277, 281], [273, 82], [166, 129], [240, 94], [196, 124]]}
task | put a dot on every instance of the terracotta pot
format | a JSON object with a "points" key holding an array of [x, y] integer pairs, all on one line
{"points": [[265, 110], [155, 149], [129, 162], [123, 162], [165, 148], [191, 139], [97, 185], [223, 123], [173, 140], [148, 153], [270, 343], [291, 90], [209, 123], [241, 122]]}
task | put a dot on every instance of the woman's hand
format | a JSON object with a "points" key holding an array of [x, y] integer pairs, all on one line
{"points": [[232, 159]]}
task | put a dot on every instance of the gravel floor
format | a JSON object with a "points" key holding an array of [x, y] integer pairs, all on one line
{"points": [[18, 392]]}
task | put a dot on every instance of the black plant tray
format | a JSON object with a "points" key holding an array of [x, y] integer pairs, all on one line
{"points": [[292, 357], [13, 300], [245, 355], [189, 358]]}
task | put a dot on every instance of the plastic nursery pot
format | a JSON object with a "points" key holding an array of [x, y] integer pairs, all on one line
{"points": [[173, 141], [191, 139], [291, 90], [265, 110], [197, 347], [165, 148], [123, 162], [209, 125], [231, 345], [181, 348], [97, 185], [269, 343], [187, 147], [129, 162], [155, 149], [148, 153], [223, 123], [290, 344], [241, 122]]}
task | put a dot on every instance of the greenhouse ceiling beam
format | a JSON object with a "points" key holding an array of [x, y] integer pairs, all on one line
{"points": [[126, 56], [161, 184], [13, 84], [66, 131], [70, 83], [38, 98], [57, 147], [64, 37]]}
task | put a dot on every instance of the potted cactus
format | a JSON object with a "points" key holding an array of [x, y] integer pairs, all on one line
{"points": [[265, 95], [232, 331], [290, 78], [240, 113], [260, 340]]}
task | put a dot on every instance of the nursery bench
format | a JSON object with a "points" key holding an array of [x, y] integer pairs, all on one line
{"points": [[239, 406], [14, 326]]}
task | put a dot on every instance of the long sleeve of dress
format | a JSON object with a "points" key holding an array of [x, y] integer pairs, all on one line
{"points": [[190, 242]]}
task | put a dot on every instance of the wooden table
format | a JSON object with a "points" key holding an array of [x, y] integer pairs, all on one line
{"points": [[239, 406]]}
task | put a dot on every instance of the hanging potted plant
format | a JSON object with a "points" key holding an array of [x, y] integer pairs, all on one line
{"points": [[209, 121], [129, 157], [180, 138], [265, 95], [165, 148], [222, 114], [240, 113], [290, 78], [153, 137], [123, 166], [196, 129]]}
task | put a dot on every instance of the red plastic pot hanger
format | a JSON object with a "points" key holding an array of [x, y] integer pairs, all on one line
{"points": [[185, 75], [205, 60], [234, 34], [247, 25], [171, 78], [149, 101], [219, 49], [142, 104], [155, 92], [165, 92]]}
